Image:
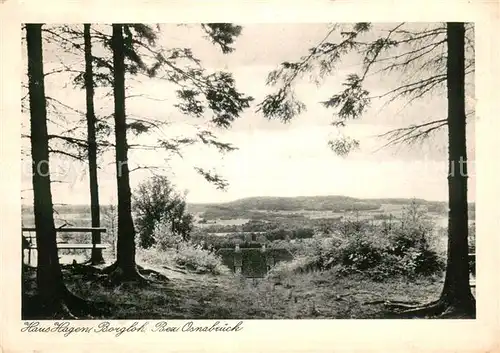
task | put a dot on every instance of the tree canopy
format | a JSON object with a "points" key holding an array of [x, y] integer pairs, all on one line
{"points": [[414, 52]]}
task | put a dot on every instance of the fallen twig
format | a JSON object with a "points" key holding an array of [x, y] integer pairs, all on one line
{"points": [[173, 269], [404, 304]]}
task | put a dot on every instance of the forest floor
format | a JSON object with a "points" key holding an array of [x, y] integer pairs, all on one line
{"points": [[187, 295]]}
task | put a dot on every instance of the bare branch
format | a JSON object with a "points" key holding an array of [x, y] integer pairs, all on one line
{"points": [[412, 133], [65, 105], [72, 140], [147, 167], [67, 154]]}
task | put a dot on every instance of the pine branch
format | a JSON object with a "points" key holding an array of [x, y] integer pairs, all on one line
{"points": [[208, 138], [378, 49], [147, 167], [411, 134], [213, 178], [412, 87], [145, 96], [63, 39], [72, 140], [67, 154], [222, 34], [410, 59]]}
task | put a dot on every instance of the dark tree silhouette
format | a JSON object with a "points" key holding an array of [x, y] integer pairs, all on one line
{"points": [[221, 97], [54, 298], [456, 297], [201, 94], [125, 268], [96, 256]]}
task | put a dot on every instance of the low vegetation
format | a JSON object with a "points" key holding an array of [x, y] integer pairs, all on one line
{"points": [[186, 257], [188, 295], [343, 267], [379, 253]]}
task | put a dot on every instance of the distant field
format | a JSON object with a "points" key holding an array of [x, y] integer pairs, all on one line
{"points": [[290, 212], [83, 218], [224, 222]]}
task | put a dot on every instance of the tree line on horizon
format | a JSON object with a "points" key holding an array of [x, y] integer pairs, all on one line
{"points": [[133, 50]]}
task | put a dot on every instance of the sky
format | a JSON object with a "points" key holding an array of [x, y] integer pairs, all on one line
{"points": [[273, 159]]}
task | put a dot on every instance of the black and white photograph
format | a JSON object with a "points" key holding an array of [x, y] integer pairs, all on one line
{"points": [[233, 171]]}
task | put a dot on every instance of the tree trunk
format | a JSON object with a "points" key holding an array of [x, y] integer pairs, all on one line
{"points": [[125, 268], [96, 256], [456, 292], [456, 299], [54, 298]]}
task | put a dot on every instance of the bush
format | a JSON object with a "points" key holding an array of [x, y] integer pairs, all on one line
{"points": [[163, 237], [350, 223], [404, 251], [381, 258], [285, 269], [194, 258], [361, 252], [156, 202], [187, 256]]}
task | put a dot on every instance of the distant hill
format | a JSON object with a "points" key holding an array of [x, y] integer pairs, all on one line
{"points": [[333, 203], [253, 206], [309, 203]]}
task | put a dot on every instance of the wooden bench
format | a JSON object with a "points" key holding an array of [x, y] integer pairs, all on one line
{"points": [[61, 245]]}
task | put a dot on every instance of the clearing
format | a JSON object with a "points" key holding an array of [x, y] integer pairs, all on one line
{"points": [[187, 295]]}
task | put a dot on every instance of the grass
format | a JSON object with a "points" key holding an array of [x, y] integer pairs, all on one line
{"points": [[219, 294], [188, 295]]}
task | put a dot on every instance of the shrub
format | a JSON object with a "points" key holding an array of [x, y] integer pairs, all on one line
{"points": [[350, 223], [374, 252], [361, 252], [302, 233], [285, 269], [187, 255], [412, 243], [194, 258], [380, 258], [157, 202], [164, 238]]}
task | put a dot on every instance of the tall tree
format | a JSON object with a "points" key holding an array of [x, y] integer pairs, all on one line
{"points": [[129, 45], [96, 256], [55, 299], [212, 96], [418, 53], [456, 293], [456, 297], [125, 267]]}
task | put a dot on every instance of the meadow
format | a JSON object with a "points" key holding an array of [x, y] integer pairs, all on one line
{"points": [[344, 264]]}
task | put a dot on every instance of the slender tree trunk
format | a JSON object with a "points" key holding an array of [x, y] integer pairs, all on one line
{"points": [[96, 257], [49, 277], [456, 292], [125, 267], [54, 298], [456, 299]]}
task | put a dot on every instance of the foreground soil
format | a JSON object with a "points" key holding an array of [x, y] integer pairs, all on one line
{"points": [[176, 293]]}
